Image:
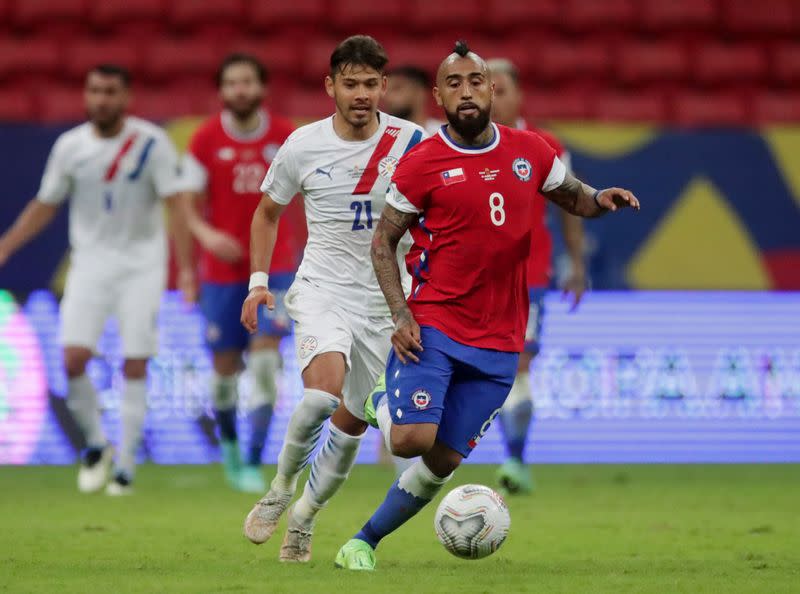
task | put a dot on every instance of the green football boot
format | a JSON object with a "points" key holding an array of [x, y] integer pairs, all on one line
{"points": [[231, 462], [356, 555], [515, 477], [370, 415]]}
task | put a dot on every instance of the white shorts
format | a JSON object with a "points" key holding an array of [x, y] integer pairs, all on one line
{"points": [[322, 326], [91, 297]]}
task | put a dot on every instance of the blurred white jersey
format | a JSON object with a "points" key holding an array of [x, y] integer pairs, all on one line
{"points": [[344, 185], [115, 184]]}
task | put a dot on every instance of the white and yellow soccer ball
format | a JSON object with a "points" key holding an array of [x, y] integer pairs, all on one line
{"points": [[472, 521]]}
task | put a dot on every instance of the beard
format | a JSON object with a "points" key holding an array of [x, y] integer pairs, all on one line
{"points": [[242, 110], [105, 122], [469, 128]]}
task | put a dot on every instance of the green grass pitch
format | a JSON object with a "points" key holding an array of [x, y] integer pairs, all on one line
{"points": [[694, 529]]}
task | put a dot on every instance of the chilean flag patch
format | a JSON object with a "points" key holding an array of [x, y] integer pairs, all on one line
{"points": [[453, 176]]}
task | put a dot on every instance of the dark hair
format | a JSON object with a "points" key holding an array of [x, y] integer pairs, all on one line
{"points": [[358, 50], [412, 73], [242, 58], [461, 48], [113, 70]]}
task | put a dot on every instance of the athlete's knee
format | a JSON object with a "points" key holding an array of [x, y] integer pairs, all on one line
{"points": [[525, 359], [227, 362], [347, 422], [75, 361], [410, 441], [134, 369], [326, 373], [442, 460]]}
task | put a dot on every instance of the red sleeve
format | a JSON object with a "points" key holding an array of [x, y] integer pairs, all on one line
{"points": [[410, 182], [551, 139], [199, 145]]}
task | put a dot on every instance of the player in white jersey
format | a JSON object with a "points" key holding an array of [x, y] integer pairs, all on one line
{"points": [[342, 165], [115, 170]]}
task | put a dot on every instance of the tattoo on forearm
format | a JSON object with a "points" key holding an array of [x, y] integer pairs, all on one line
{"points": [[575, 197], [391, 227]]}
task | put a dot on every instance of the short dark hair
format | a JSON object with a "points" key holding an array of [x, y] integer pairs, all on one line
{"points": [[358, 50], [113, 70], [242, 58], [412, 73]]}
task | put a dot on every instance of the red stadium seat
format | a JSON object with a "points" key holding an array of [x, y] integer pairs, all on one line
{"points": [[307, 105], [771, 107], [280, 55], [444, 16], [317, 58], [271, 16], [625, 107], [691, 108], [16, 106], [506, 14], [786, 63], [561, 60], [426, 54], [188, 14], [353, 15], [33, 13], [641, 62], [30, 57], [61, 104], [165, 103], [564, 105], [110, 13], [588, 15], [761, 16], [192, 57], [716, 63], [83, 55], [677, 14]]}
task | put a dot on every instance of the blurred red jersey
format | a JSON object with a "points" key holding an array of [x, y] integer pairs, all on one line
{"points": [[229, 168], [541, 261], [472, 242]]}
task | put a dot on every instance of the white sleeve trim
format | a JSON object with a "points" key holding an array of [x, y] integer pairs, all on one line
{"points": [[194, 175], [397, 200], [556, 176], [566, 159]]}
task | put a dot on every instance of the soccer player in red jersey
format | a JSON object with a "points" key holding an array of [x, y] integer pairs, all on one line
{"points": [[228, 156], [517, 413], [467, 197]]}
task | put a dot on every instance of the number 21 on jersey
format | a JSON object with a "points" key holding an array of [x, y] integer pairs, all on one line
{"points": [[358, 207]]}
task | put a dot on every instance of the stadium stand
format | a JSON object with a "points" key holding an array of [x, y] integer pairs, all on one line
{"points": [[703, 62]]}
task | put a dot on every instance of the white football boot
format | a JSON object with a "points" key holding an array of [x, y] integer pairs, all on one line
{"points": [[296, 547], [95, 470], [263, 518]]}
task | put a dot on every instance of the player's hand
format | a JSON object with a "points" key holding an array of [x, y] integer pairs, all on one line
{"points": [[257, 297], [224, 246], [187, 284], [406, 337], [615, 198], [575, 284]]}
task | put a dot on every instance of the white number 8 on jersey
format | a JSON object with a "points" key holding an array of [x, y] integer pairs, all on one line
{"points": [[497, 214]]}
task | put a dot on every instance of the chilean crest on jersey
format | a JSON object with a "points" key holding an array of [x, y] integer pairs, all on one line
{"points": [[522, 169]]}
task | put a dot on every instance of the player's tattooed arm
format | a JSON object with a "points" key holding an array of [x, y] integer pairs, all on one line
{"points": [[393, 224], [583, 200], [391, 227]]}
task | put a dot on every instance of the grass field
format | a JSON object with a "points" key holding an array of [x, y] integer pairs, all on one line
{"points": [[720, 529]]}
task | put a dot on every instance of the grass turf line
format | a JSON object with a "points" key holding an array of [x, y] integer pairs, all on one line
{"points": [[592, 529]]}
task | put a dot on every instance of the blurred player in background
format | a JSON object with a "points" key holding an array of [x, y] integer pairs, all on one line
{"points": [[407, 96], [342, 165], [116, 170], [227, 159], [467, 196], [517, 412]]}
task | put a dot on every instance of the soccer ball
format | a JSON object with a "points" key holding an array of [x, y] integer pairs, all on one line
{"points": [[472, 521]]}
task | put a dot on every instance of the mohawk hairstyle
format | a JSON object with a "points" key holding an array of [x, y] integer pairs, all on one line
{"points": [[461, 48]]}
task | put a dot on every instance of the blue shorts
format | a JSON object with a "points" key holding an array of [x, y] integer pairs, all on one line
{"points": [[458, 387], [221, 304], [535, 316]]}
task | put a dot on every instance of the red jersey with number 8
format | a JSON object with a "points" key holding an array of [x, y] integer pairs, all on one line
{"points": [[473, 238]]}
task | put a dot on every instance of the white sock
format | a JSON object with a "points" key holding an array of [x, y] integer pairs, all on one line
{"points": [[421, 482], [385, 422], [133, 411], [302, 435], [82, 403], [330, 469], [402, 464], [224, 391], [263, 365], [520, 390]]}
